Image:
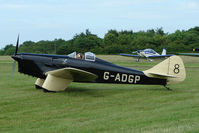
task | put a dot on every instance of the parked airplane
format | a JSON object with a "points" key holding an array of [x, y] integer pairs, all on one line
{"points": [[56, 72], [147, 53]]}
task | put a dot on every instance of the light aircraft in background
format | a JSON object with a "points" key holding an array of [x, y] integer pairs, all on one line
{"points": [[55, 72], [147, 53]]}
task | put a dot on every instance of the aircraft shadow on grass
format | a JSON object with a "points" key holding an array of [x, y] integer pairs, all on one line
{"points": [[107, 91]]}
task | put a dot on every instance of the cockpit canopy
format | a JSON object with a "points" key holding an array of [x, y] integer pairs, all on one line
{"points": [[149, 51], [72, 55], [89, 56]]}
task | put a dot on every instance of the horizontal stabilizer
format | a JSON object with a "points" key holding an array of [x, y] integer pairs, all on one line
{"points": [[160, 56], [162, 75]]}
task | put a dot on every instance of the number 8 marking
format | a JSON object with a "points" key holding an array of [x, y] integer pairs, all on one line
{"points": [[176, 69]]}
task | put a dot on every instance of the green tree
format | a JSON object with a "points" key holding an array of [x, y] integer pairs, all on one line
{"points": [[9, 50]]}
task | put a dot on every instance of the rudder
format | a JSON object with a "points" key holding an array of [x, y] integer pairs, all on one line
{"points": [[171, 69], [164, 52]]}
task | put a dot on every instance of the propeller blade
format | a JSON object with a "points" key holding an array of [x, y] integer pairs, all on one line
{"points": [[13, 68], [134, 52], [17, 45]]}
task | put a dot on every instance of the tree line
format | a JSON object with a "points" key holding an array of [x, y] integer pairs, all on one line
{"points": [[114, 42]]}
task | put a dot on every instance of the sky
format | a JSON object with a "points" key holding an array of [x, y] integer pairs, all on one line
{"points": [[37, 20]]}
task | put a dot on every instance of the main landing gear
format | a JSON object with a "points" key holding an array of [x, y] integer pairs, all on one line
{"points": [[138, 59]]}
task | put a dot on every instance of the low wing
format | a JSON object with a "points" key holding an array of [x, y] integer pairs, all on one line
{"points": [[131, 55], [58, 80], [160, 56], [73, 74]]}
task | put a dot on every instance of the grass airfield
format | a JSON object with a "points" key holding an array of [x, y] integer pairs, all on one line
{"points": [[89, 108]]}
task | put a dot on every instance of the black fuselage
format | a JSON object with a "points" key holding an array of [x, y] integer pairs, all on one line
{"points": [[37, 65]]}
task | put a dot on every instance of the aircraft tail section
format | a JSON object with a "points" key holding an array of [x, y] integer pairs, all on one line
{"points": [[171, 69], [164, 51]]}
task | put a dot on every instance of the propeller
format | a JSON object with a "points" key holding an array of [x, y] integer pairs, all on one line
{"points": [[17, 45], [14, 62], [13, 68], [134, 52]]}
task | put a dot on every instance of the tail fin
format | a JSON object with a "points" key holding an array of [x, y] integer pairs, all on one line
{"points": [[164, 52], [171, 69]]}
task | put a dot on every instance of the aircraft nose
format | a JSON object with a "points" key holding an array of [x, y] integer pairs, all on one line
{"points": [[16, 57]]}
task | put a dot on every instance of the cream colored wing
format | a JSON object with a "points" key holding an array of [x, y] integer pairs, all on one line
{"points": [[73, 74], [58, 80]]}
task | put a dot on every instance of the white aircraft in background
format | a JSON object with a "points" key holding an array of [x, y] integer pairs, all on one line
{"points": [[147, 53]]}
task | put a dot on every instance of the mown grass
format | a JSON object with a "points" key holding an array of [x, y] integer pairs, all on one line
{"points": [[100, 107]]}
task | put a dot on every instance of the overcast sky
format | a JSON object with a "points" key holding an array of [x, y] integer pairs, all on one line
{"points": [[49, 19]]}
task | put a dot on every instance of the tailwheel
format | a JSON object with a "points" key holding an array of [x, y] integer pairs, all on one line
{"points": [[169, 89], [138, 59]]}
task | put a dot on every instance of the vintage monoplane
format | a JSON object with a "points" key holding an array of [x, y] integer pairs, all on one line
{"points": [[56, 72]]}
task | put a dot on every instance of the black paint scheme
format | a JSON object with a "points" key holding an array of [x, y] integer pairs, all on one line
{"points": [[37, 65]]}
